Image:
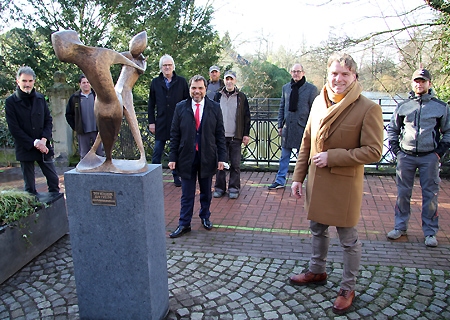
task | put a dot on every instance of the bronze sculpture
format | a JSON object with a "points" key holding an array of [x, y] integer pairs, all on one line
{"points": [[111, 102]]}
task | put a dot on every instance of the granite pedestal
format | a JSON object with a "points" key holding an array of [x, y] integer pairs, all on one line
{"points": [[117, 233]]}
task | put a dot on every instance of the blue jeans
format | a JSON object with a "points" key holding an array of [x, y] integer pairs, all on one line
{"points": [[429, 181], [283, 166], [157, 155]]}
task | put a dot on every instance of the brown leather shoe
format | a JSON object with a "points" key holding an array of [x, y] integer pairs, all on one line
{"points": [[343, 301], [308, 277]]}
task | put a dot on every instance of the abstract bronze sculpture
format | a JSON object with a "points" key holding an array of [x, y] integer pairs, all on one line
{"points": [[111, 102]]}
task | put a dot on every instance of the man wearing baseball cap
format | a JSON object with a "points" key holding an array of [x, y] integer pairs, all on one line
{"points": [[215, 83], [419, 135], [236, 120]]}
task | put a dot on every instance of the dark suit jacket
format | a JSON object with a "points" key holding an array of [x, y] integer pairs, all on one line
{"points": [[183, 134], [162, 101], [28, 124]]}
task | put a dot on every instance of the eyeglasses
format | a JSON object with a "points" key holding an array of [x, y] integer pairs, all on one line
{"points": [[296, 71], [167, 65]]}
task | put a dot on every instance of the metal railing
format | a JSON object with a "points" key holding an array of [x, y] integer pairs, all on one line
{"points": [[264, 148]]}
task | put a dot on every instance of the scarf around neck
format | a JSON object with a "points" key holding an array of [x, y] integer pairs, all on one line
{"points": [[27, 98], [293, 98], [336, 104]]}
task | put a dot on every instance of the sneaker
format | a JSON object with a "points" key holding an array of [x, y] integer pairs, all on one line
{"points": [[233, 195], [276, 185], [395, 234], [430, 241], [218, 194]]}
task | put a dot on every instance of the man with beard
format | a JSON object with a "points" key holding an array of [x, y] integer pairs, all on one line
{"points": [[197, 151], [215, 83], [419, 135], [30, 124]]}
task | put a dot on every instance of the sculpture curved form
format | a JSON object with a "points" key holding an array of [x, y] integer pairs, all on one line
{"points": [[95, 63]]}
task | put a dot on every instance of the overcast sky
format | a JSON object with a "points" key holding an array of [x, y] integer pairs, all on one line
{"points": [[293, 22]]}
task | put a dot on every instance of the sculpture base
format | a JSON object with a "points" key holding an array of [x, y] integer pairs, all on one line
{"points": [[117, 233]]}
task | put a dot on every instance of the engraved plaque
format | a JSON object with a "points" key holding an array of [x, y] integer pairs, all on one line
{"points": [[103, 198]]}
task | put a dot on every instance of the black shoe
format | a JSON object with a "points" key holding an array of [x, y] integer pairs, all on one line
{"points": [[276, 185], [207, 224], [177, 182], [180, 231]]}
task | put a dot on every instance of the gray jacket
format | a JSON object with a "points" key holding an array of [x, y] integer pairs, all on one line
{"points": [[420, 125], [294, 123]]}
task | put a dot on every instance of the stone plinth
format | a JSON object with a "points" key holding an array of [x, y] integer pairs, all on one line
{"points": [[117, 232]]}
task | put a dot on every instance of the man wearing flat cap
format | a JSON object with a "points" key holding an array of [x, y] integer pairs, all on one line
{"points": [[419, 135], [215, 83]]}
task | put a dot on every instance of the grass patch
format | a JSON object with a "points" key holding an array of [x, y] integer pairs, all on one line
{"points": [[7, 157]]}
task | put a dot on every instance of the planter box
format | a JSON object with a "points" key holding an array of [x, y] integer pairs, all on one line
{"points": [[43, 228]]}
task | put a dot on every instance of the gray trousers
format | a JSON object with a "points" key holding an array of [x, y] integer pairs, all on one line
{"points": [[85, 142], [234, 151], [428, 167], [352, 252]]}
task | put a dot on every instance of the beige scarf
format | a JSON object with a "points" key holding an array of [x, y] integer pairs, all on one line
{"points": [[341, 102]]}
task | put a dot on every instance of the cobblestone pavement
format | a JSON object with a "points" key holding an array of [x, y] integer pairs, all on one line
{"points": [[240, 269], [208, 284]]}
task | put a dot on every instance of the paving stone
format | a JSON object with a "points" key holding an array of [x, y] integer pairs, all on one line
{"points": [[225, 286]]}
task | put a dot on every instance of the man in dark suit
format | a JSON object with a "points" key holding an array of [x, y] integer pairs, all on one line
{"points": [[30, 123], [166, 90], [197, 150]]}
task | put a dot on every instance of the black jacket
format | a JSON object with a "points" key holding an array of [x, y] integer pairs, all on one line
{"points": [[28, 123], [182, 139], [73, 112], [163, 101]]}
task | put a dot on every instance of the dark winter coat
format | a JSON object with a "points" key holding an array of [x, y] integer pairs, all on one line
{"points": [[73, 112], [162, 102], [294, 123], [182, 139], [28, 123]]}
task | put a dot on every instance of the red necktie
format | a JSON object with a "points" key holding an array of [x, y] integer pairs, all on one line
{"points": [[197, 121], [197, 116]]}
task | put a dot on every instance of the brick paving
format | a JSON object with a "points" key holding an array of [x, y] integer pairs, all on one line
{"points": [[239, 270]]}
